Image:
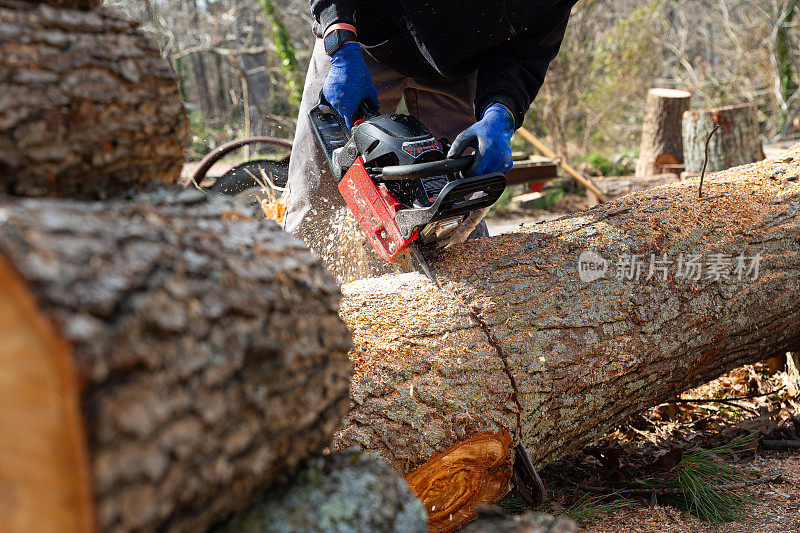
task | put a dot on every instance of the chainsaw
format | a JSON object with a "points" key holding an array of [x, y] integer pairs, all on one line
{"points": [[395, 178]]}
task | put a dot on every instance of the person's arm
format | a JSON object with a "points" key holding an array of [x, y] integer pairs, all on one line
{"points": [[328, 12], [513, 73], [348, 82]]}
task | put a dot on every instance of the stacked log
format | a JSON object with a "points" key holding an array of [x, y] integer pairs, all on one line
{"points": [[88, 107], [165, 360], [553, 335], [661, 149], [736, 142]]}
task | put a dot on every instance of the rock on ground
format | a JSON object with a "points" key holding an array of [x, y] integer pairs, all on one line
{"points": [[346, 491]]}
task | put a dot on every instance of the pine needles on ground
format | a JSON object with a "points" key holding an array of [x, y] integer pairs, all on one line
{"points": [[589, 508], [704, 482]]}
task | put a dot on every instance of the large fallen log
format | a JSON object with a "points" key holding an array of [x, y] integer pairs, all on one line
{"points": [[522, 345], [164, 361], [88, 107]]}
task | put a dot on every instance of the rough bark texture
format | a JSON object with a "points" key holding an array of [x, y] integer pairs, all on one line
{"points": [[88, 107], [662, 143], [345, 492], [207, 348], [516, 342], [736, 142]]}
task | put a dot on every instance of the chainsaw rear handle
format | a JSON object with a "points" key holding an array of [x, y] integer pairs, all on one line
{"points": [[426, 170]]}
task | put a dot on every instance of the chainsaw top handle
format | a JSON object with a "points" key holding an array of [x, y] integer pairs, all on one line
{"points": [[426, 170]]}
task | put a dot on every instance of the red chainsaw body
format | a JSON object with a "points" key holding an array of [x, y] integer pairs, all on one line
{"points": [[374, 207]]}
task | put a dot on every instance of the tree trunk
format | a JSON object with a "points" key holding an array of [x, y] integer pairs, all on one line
{"points": [[344, 491], [736, 142], [662, 145], [519, 345], [88, 107], [164, 361]]}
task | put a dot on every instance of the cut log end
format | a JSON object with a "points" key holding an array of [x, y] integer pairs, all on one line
{"points": [[44, 466], [452, 484]]}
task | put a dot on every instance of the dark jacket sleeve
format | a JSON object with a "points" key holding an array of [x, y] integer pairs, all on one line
{"points": [[326, 12], [512, 73]]}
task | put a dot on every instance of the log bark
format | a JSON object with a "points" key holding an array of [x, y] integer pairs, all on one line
{"points": [[88, 107], [661, 148], [519, 342], [165, 360], [736, 142], [343, 491]]}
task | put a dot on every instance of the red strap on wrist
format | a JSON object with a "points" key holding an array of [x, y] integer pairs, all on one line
{"points": [[340, 26]]}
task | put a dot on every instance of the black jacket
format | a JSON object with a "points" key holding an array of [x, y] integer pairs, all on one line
{"points": [[509, 42]]}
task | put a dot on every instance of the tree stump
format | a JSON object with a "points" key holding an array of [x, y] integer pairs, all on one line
{"points": [[554, 334], [736, 142], [165, 360], [88, 107], [661, 149]]}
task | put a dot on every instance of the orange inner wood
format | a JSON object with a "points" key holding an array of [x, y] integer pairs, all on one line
{"points": [[44, 476], [453, 483]]}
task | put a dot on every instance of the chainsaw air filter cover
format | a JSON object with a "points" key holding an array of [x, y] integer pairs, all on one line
{"points": [[392, 139]]}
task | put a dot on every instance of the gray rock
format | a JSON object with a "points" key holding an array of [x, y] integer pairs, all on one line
{"points": [[346, 491]]}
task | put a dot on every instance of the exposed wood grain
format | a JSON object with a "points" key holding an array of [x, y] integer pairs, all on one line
{"points": [[456, 481], [43, 462]]}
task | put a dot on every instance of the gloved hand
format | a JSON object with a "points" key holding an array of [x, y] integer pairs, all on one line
{"points": [[349, 82], [491, 138]]}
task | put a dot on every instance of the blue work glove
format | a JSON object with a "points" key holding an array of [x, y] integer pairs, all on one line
{"points": [[349, 82], [491, 139]]}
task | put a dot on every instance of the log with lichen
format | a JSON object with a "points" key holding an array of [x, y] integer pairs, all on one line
{"points": [[516, 346], [346, 490]]}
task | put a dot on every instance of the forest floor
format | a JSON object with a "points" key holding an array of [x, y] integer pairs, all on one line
{"points": [[727, 437]]}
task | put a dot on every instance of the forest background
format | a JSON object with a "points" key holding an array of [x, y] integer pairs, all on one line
{"points": [[241, 65]]}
